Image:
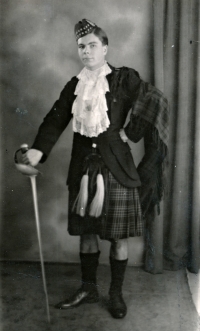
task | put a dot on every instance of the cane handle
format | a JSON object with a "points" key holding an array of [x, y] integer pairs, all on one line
{"points": [[24, 148], [25, 169]]}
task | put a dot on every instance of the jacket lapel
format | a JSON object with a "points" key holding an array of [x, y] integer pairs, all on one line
{"points": [[109, 95], [110, 75]]}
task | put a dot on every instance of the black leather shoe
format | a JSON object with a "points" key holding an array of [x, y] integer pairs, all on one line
{"points": [[117, 306], [81, 296]]}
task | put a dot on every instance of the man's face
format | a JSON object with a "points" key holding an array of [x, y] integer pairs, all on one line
{"points": [[91, 51]]}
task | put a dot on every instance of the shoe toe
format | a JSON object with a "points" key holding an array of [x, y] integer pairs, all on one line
{"points": [[78, 298], [118, 313], [59, 305], [74, 301], [117, 307]]}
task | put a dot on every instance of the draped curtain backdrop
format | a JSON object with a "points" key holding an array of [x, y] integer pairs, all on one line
{"points": [[172, 238]]}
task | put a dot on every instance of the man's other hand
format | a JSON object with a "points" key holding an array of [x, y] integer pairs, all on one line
{"points": [[123, 135]]}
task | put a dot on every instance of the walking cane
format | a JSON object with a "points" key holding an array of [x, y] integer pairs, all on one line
{"points": [[32, 172]]}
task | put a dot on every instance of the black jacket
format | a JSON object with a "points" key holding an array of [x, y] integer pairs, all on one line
{"points": [[124, 86]]}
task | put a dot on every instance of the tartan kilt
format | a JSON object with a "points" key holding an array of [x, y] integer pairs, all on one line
{"points": [[121, 218]]}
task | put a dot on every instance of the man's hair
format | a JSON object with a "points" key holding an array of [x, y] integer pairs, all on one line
{"points": [[100, 34]]}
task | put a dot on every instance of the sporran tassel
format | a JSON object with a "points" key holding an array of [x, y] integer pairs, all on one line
{"points": [[82, 197], [97, 203]]}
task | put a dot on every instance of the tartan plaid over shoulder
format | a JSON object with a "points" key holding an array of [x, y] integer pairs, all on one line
{"points": [[152, 106], [150, 119]]}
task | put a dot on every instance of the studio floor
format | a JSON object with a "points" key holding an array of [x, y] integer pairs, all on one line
{"points": [[155, 302]]}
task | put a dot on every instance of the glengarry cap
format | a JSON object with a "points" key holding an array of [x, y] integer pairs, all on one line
{"points": [[84, 27]]}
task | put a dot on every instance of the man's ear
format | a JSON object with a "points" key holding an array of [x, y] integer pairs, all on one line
{"points": [[105, 47]]}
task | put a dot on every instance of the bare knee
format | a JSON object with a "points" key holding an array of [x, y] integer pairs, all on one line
{"points": [[89, 243], [119, 249]]}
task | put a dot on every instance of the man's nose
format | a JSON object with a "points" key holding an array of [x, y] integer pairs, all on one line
{"points": [[86, 50]]}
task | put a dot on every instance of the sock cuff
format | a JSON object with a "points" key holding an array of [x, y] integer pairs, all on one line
{"points": [[118, 261], [82, 255]]}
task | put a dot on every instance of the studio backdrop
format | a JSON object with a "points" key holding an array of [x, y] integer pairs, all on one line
{"points": [[39, 55]]}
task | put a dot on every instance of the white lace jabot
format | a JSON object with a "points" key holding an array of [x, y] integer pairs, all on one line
{"points": [[90, 108]]}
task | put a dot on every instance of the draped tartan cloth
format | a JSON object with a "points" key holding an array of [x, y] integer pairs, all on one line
{"points": [[150, 120]]}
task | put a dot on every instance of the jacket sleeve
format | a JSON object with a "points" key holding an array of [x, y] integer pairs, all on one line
{"points": [[55, 121]]}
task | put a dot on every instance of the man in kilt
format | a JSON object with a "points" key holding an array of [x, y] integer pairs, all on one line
{"points": [[108, 197]]}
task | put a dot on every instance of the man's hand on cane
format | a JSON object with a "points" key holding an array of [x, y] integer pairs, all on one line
{"points": [[32, 157]]}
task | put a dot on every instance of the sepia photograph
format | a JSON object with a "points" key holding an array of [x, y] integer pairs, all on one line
{"points": [[100, 165]]}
